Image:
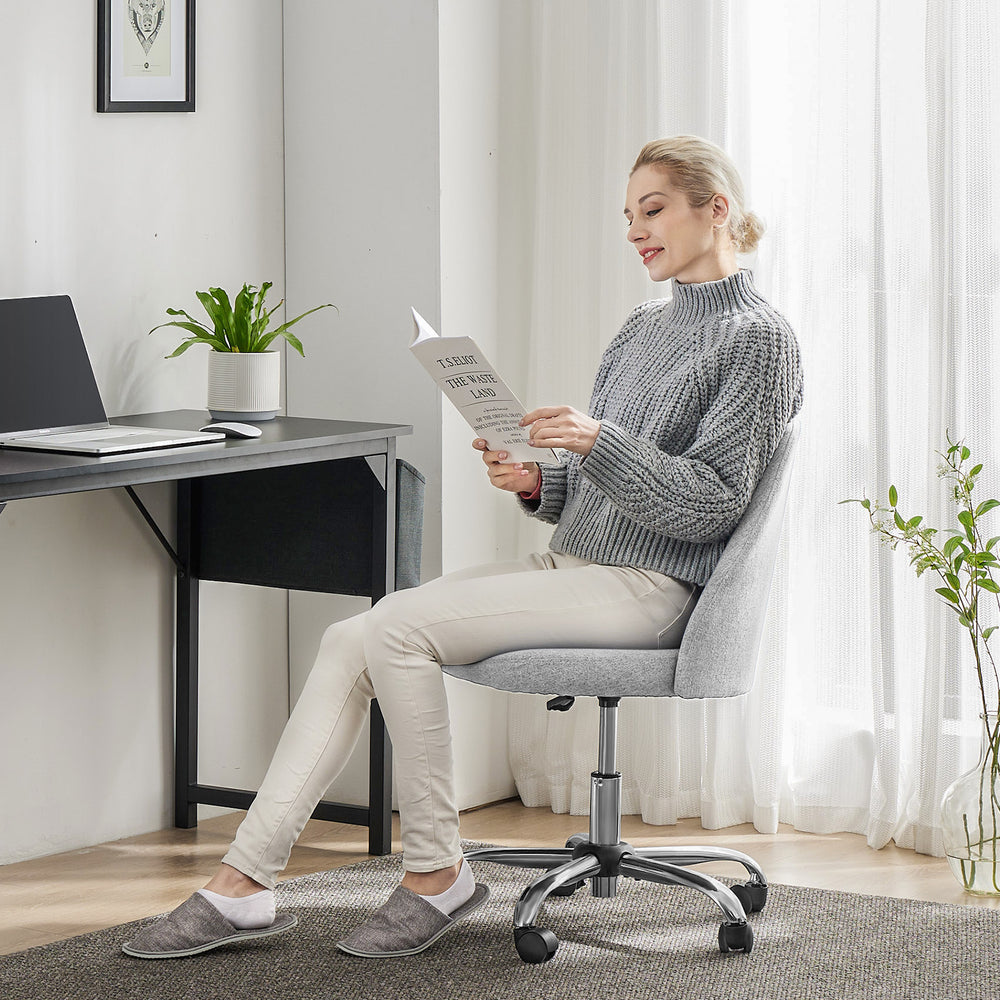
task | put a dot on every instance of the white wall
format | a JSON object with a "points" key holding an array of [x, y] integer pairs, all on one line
{"points": [[128, 214], [362, 231], [390, 137], [476, 517]]}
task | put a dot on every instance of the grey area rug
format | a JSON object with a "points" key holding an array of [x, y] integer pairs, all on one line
{"points": [[647, 943]]}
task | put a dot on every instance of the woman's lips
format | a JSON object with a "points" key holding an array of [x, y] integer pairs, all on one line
{"points": [[649, 253]]}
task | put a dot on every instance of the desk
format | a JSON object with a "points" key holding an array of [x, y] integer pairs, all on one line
{"points": [[324, 490]]}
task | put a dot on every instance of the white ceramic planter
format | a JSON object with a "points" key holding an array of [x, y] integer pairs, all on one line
{"points": [[244, 386]]}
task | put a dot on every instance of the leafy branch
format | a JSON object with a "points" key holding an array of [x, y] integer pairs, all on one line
{"points": [[964, 563]]}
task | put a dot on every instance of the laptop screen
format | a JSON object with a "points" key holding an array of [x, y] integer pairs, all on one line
{"points": [[45, 375]]}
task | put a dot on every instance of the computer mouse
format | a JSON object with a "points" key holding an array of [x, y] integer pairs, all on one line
{"points": [[234, 429]]}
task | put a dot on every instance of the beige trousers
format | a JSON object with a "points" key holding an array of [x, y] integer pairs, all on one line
{"points": [[394, 651]]}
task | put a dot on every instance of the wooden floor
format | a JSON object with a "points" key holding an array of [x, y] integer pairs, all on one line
{"points": [[68, 894]]}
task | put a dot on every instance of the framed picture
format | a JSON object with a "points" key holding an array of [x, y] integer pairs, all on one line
{"points": [[145, 55]]}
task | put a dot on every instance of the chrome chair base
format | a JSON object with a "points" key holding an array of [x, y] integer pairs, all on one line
{"points": [[569, 867], [602, 857]]}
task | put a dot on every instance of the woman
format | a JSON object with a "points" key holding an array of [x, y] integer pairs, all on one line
{"points": [[690, 401]]}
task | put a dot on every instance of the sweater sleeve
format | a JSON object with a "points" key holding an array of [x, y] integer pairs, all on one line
{"points": [[553, 496], [701, 494]]}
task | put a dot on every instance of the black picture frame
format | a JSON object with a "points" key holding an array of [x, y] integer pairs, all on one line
{"points": [[110, 83]]}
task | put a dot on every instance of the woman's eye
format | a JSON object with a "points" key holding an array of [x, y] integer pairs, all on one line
{"points": [[652, 212]]}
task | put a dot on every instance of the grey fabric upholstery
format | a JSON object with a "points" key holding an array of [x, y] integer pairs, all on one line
{"points": [[409, 524], [605, 673], [717, 657]]}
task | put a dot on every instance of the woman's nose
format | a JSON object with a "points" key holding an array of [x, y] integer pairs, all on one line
{"points": [[636, 232]]}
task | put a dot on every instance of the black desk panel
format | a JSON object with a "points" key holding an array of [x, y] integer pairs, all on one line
{"points": [[317, 521]]}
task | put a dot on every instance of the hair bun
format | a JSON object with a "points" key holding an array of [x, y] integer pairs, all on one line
{"points": [[750, 233]]}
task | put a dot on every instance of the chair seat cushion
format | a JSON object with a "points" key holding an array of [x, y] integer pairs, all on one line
{"points": [[608, 673]]}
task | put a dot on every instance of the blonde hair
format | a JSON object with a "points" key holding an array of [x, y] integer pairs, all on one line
{"points": [[702, 170]]}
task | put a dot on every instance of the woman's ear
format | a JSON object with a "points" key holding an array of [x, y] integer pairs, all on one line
{"points": [[720, 211]]}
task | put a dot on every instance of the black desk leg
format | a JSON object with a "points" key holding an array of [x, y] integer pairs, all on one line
{"points": [[186, 699], [383, 582], [379, 785]]}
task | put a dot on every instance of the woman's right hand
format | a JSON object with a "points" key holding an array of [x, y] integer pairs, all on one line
{"points": [[516, 477]]}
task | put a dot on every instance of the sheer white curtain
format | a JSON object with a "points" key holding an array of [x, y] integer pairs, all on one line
{"points": [[868, 136]]}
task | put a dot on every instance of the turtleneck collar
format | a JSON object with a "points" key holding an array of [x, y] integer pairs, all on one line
{"points": [[699, 300]]}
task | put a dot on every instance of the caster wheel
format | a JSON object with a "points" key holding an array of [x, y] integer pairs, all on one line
{"points": [[566, 890], [735, 937], [752, 896], [535, 944], [576, 840]]}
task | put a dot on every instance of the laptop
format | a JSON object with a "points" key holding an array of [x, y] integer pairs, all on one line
{"points": [[49, 400]]}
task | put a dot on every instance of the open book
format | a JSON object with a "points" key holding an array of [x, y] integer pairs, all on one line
{"points": [[481, 396]]}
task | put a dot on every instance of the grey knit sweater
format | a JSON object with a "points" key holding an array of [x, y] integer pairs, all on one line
{"points": [[693, 396]]}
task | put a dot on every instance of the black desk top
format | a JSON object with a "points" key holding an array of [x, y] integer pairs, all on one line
{"points": [[285, 441]]}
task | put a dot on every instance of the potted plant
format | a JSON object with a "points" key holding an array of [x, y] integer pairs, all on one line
{"points": [[970, 809], [244, 373]]}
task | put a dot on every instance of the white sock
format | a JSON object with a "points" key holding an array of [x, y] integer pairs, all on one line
{"points": [[244, 912], [458, 893]]}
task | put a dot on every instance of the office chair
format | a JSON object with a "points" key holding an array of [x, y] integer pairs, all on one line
{"points": [[717, 659]]}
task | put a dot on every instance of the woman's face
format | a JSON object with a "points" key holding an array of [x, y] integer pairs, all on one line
{"points": [[674, 239]]}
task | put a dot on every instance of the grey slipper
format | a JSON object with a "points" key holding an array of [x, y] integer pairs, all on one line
{"points": [[406, 924], [196, 926]]}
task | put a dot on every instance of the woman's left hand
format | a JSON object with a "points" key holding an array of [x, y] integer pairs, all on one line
{"points": [[561, 427]]}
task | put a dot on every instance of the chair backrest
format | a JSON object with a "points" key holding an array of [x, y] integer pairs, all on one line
{"points": [[718, 652]]}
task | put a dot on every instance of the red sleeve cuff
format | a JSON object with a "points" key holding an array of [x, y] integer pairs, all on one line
{"points": [[535, 494]]}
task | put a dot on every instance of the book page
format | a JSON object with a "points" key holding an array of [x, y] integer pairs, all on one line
{"points": [[477, 391]]}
